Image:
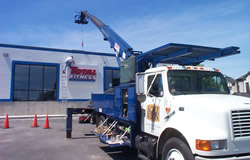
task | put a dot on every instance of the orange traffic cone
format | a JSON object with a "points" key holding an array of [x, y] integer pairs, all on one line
{"points": [[46, 124], [6, 122], [35, 122]]}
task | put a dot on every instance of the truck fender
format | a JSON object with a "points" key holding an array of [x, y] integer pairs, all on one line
{"points": [[165, 135]]}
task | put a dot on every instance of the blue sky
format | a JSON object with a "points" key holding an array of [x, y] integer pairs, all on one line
{"points": [[144, 24]]}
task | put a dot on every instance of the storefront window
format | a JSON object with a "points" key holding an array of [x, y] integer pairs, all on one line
{"points": [[36, 77], [21, 77], [35, 82]]}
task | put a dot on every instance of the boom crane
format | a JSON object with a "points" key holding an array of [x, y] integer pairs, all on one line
{"points": [[172, 53], [122, 48]]}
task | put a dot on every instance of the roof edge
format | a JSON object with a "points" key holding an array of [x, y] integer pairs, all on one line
{"points": [[55, 49]]}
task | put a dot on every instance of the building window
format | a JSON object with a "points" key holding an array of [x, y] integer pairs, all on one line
{"points": [[247, 88], [35, 82], [112, 78]]}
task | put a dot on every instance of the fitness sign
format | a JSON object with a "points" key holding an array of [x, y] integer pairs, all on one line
{"points": [[82, 74]]}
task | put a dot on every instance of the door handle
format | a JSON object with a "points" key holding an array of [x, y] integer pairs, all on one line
{"points": [[170, 115]]}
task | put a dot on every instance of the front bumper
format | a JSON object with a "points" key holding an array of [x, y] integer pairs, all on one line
{"points": [[224, 158]]}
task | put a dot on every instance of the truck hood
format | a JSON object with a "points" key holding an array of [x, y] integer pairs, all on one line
{"points": [[212, 102], [208, 112], [207, 117]]}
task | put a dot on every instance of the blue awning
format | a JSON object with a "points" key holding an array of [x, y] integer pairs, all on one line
{"points": [[184, 54]]}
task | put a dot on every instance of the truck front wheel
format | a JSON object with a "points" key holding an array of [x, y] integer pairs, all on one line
{"points": [[176, 149]]}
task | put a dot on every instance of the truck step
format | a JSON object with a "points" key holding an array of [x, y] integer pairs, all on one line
{"points": [[142, 157], [143, 146]]}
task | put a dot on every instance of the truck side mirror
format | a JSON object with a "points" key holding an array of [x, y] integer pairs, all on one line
{"points": [[140, 84], [140, 90]]}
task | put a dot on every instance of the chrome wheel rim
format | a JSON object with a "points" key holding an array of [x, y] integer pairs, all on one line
{"points": [[174, 154]]}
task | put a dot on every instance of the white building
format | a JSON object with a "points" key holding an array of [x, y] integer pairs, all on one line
{"points": [[243, 83], [32, 80]]}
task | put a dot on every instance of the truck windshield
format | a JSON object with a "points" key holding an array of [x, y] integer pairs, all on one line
{"points": [[196, 82]]}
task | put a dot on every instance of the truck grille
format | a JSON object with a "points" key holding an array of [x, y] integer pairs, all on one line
{"points": [[241, 123]]}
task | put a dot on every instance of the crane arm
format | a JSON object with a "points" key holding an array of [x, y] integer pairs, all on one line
{"points": [[172, 53], [121, 47]]}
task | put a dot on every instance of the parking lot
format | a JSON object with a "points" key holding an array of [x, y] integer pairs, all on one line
{"points": [[22, 142]]}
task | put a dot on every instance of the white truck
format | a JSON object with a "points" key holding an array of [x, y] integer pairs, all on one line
{"points": [[189, 111], [170, 112]]}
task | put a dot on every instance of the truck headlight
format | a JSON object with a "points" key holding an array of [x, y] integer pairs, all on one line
{"points": [[210, 145]]}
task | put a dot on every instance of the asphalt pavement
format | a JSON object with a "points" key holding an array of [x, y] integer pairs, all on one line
{"points": [[22, 142]]}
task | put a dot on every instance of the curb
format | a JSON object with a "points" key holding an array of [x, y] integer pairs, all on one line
{"points": [[32, 116]]}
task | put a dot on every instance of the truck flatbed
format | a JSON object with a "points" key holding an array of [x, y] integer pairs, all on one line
{"points": [[185, 54]]}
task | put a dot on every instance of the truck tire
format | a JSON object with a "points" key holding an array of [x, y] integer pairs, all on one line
{"points": [[176, 149]]}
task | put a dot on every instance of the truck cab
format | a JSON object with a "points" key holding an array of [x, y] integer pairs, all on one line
{"points": [[190, 114]]}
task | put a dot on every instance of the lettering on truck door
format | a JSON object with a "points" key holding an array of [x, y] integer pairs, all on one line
{"points": [[151, 108]]}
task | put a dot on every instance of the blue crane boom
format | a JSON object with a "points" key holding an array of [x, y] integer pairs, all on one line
{"points": [[122, 48], [172, 53]]}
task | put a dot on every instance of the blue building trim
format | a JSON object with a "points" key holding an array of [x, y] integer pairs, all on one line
{"points": [[57, 80], [5, 100], [74, 100], [56, 50], [12, 81], [104, 75]]}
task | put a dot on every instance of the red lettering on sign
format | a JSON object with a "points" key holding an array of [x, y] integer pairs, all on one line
{"points": [[78, 74]]}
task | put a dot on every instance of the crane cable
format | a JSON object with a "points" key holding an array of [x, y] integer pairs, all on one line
{"points": [[82, 38]]}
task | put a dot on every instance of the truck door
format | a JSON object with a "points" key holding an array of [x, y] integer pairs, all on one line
{"points": [[154, 103]]}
